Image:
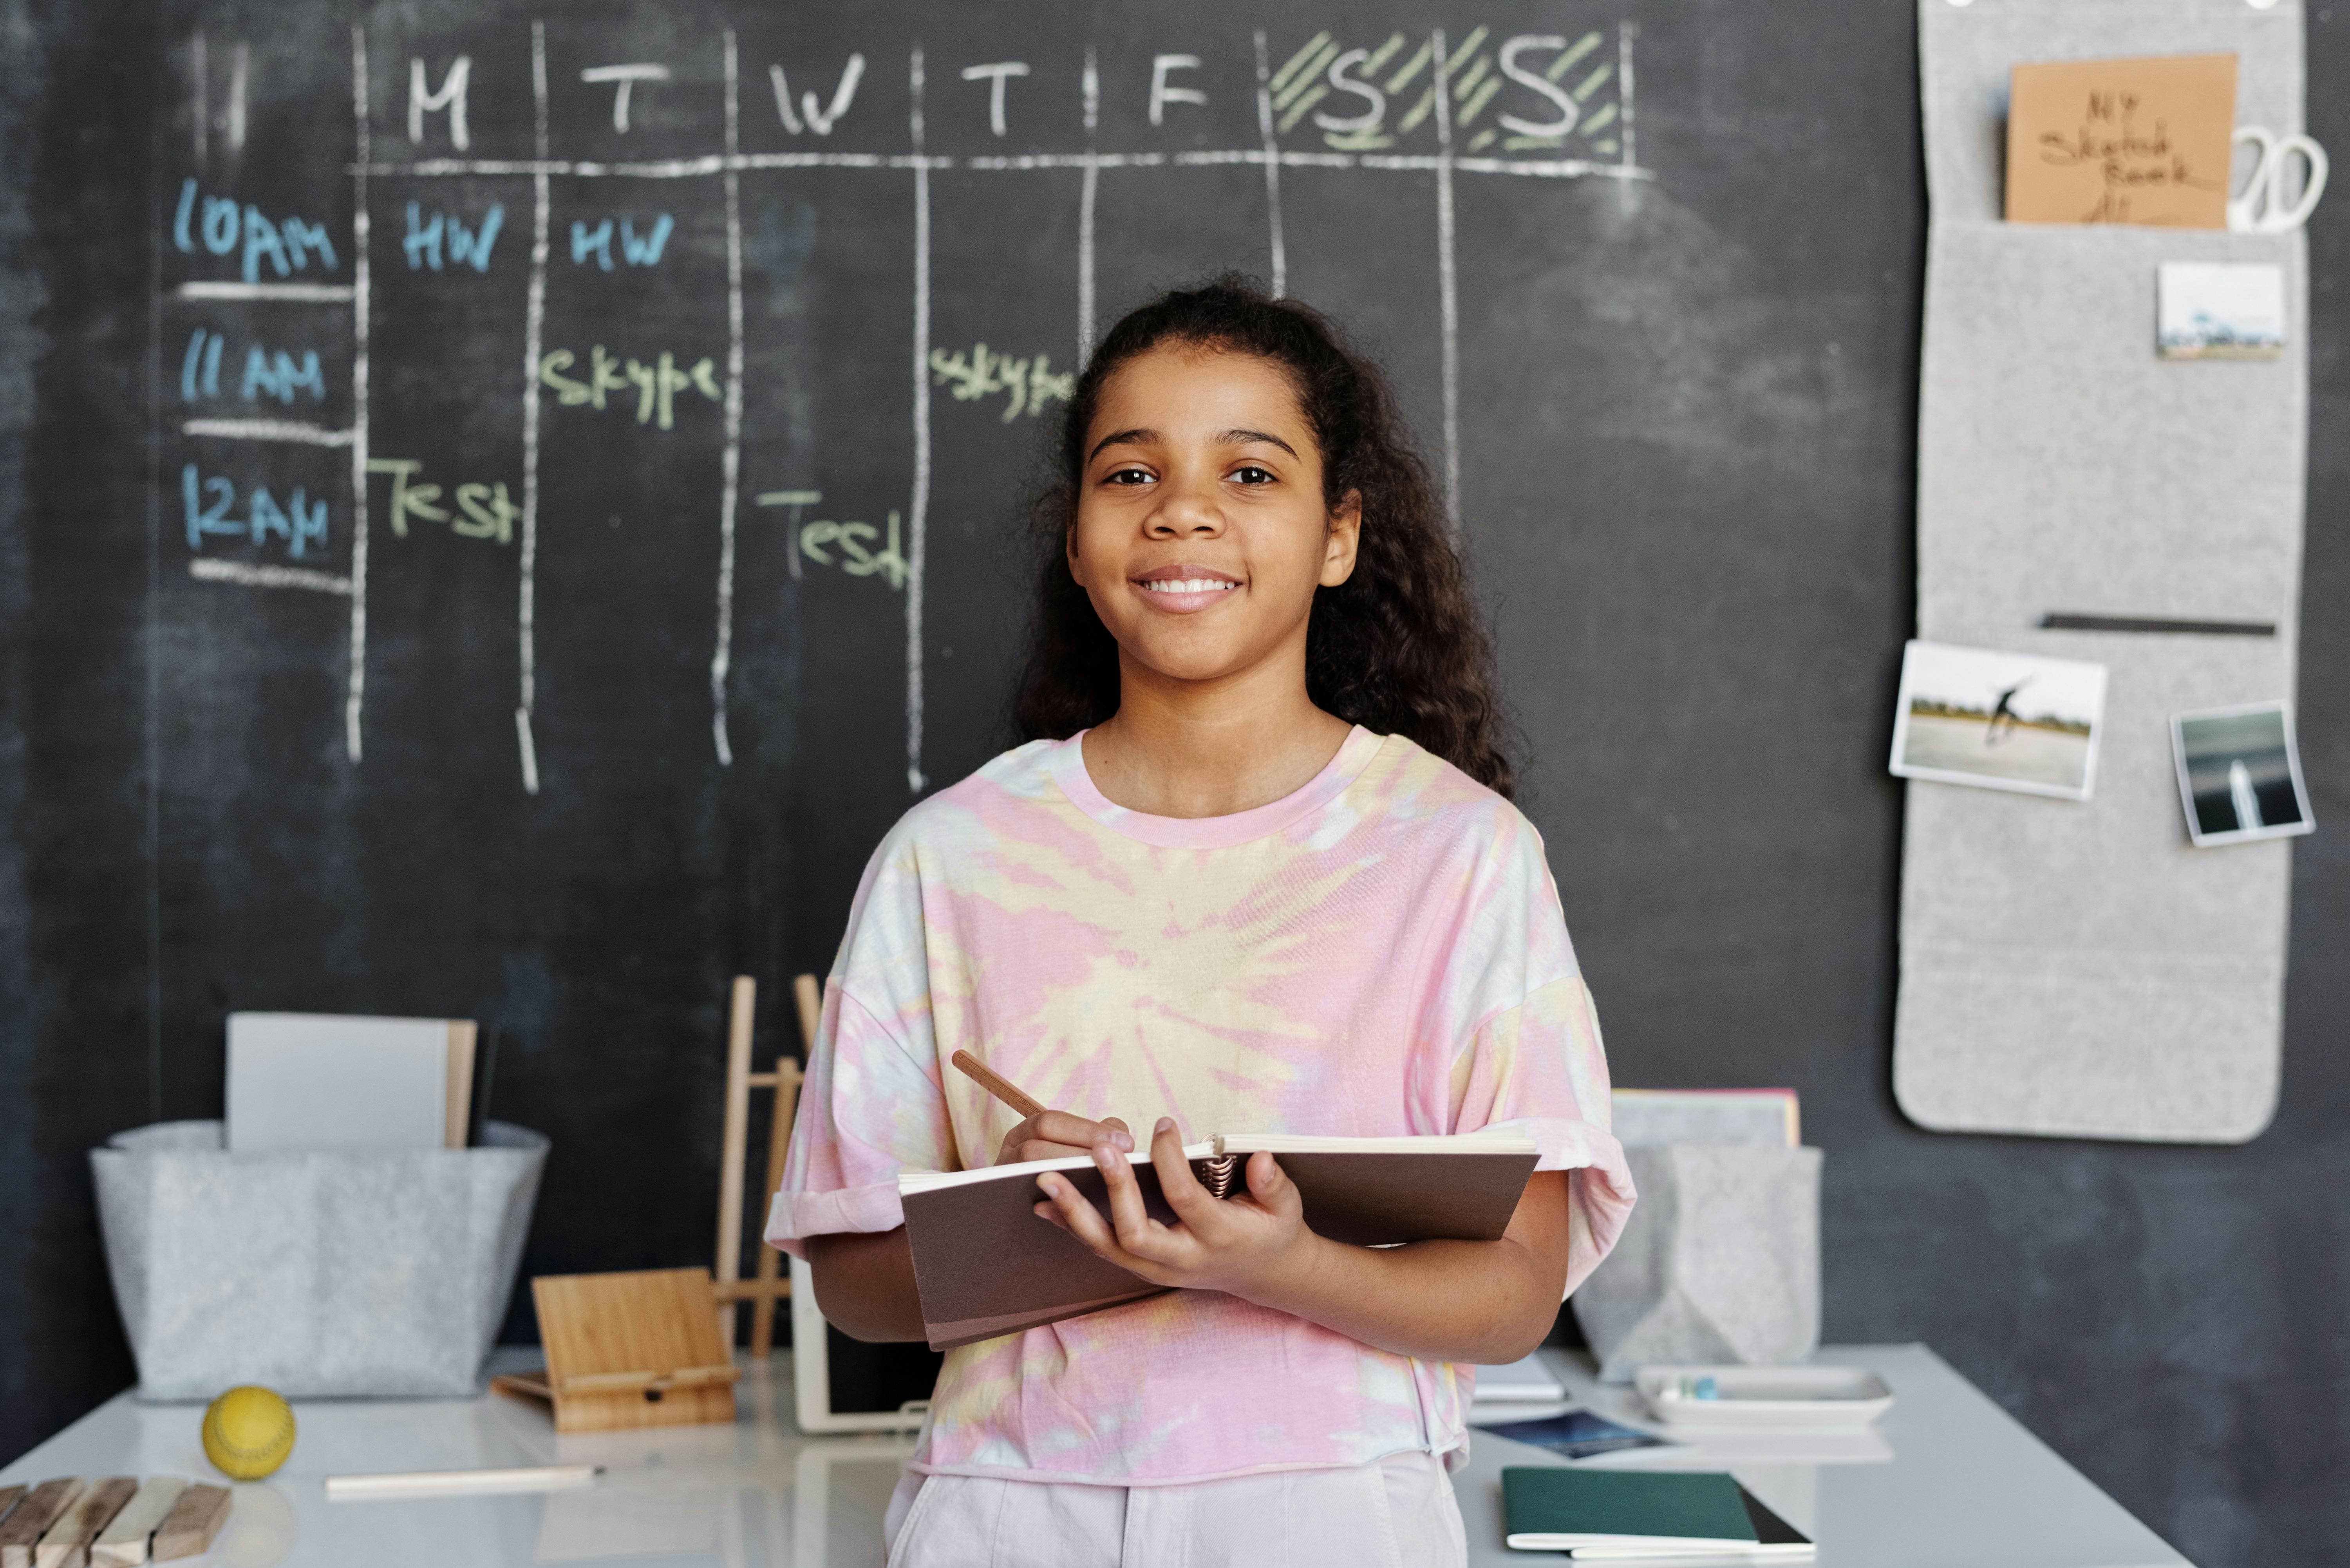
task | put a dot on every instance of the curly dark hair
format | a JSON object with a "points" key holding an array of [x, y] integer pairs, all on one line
{"points": [[1400, 647]]}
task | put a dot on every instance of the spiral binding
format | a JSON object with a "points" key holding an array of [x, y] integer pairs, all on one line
{"points": [[1221, 1173]]}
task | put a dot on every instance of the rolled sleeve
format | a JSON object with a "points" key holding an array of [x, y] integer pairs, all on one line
{"points": [[870, 1108], [1539, 1069]]}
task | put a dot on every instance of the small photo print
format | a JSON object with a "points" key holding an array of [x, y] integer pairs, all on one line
{"points": [[2220, 310], [1999, 721], [2239, 774]]}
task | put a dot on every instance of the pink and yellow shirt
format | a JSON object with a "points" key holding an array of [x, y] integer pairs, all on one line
{"points": [[1381, 952]]}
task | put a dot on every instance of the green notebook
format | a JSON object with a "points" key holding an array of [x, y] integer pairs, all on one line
{"points": [[1611, 1513]]}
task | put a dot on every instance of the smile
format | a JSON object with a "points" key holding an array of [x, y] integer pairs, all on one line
{"points": [[1185, 587]]}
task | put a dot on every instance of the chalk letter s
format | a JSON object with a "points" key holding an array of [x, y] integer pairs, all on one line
{"points": [[1569, 111], [1338, 77]]}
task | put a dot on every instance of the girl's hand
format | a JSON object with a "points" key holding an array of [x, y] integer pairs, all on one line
{"points": [[1256, 1247], [1057, 1134]]}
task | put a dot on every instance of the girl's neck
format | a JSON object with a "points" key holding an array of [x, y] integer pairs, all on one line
{"points": [[1196, 748]]}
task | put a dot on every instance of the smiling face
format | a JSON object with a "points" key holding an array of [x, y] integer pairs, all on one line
{"points": [[1200, 531]]}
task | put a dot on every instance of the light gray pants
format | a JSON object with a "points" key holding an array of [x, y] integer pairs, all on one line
{"points": [[1397, 1512]]}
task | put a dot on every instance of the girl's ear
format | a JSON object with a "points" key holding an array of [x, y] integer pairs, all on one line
{"points": [[1339, 543], [1069, 553]]}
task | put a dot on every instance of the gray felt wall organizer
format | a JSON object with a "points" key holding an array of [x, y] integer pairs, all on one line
{"points": [[2078, 970], [315, 1274]]}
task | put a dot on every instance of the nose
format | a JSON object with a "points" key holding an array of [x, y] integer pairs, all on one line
{"points": [[1184, 511]]}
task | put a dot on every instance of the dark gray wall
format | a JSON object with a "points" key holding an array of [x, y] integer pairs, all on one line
{"points": [[1688, 468]]}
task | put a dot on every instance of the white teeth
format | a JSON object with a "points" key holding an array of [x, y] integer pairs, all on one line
{"points": [[1189, 586]]}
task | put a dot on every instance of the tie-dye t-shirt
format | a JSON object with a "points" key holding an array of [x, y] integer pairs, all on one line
{"points": [[1380, 953]]}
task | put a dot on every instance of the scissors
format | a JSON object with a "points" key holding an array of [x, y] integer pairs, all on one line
{"points": [[2260, 209]]}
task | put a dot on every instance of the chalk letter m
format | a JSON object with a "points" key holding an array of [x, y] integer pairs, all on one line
{"points": [[452, 97]]}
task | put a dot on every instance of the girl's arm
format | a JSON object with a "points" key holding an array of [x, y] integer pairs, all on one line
{"points": [[1489, 1302], [865, 1285], [865, 1280]]}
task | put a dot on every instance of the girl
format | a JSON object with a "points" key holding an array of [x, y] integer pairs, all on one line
{"points": [[1255, 870]]}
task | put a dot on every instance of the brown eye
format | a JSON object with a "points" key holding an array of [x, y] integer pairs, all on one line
{"points": [[1127, 476], [1252, 474]]}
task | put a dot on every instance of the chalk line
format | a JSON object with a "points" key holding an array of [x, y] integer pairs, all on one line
{"points": [[240, 64], [1626, 138], [654, 169], [244, 573], [314, 292], [730, 461], [534, 334], [355, 701], [1016, 161], [1271, 171], [1533, 168], [1086, 191], [720, 164], [151, 648], [918, 505], [293, 430], [1448, 284], [203, 100]]}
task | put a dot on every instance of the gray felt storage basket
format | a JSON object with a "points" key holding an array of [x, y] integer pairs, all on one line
{"points": [[1720, 1262], [316, 1274]]}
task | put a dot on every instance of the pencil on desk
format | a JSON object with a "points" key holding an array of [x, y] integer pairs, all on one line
{"points": [[996, 1083], [460, 1483]]}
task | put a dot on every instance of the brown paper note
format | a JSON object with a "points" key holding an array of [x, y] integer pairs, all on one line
{"points": [[2122, 142]]}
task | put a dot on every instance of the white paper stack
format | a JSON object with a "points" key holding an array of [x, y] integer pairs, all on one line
{"points": [[307, 1082], [1530, 1382]]}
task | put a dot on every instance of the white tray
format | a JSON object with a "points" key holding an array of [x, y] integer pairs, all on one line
{"points": [[1767, 1396]]}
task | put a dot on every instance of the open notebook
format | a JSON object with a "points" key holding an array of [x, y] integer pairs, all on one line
{"points": [[985, 1264]]}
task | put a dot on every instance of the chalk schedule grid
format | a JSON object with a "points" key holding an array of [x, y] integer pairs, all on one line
{"points": [[434, 310]]}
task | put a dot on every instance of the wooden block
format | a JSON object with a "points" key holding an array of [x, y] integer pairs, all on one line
{"points": [[190, 1529], [30, 1519], [633, 1350], [699, 1405], [10, 1496], [67, 1543], [123, 1543], [530, 1384]]}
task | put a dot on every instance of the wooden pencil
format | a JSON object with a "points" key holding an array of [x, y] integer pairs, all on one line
{"points": [[996, 1083], [461, 1483]]}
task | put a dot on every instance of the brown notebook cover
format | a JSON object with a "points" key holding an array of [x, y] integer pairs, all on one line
{"points": [[985, 1264]]}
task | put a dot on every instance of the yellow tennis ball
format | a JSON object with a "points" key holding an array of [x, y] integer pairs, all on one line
{"points": [[248, 1432]]}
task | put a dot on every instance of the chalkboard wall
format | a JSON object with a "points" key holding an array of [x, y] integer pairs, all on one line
{"points": [[689, 559]]}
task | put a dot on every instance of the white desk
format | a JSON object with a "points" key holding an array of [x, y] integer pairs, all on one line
{"points": [[1947, 1479], [758, 1494]]}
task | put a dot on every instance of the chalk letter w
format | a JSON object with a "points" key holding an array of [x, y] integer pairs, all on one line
{"points": [[820, 120], [452, 97]]}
